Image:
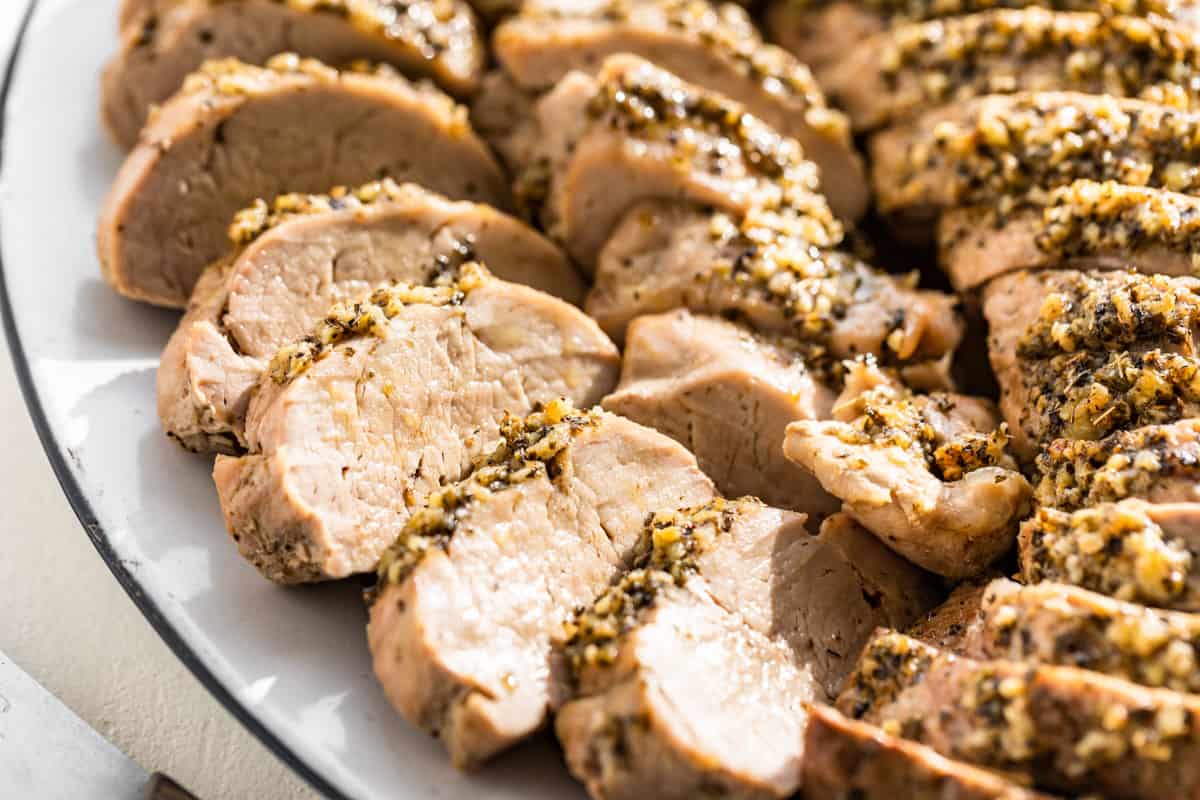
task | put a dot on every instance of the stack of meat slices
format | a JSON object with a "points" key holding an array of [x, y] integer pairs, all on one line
{"points": [[397, 377], [1050, 150]]}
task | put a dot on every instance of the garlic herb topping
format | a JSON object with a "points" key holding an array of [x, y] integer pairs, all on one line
{"points": [[1115, 549], [370, 317], [530, 447]]}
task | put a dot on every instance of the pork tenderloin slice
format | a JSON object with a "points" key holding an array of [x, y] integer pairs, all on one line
{"points": [[1080, 355], [1063, 728], [503, 114], [848, 583], [914, 67], [351, 428], [236, 133], [438, 40], [479, 585], [635, 132], [847, 758], [1086, 225], [979, 151], [694, 702], [1131, 550], [953, 622], [823, 32], [758, 570], [664, 256], [1157, 463], [714, 46], [930, 475], [1051, 623], [822, 595], [726, 394], [296, 258]]}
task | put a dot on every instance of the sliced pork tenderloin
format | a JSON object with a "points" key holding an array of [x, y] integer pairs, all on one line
{"points": [[503, 115], [846, 758], [1080, 355], [438, 40], [1051, 623], [715, 46], [822, 595], [930, 475], [635, 132], [1131, 550], [1064, 729], [727, 601], [481, 582], [950, 624], [1157, 463], [688, 702], [665, 256], [1002, 150], [237, 133], [727, 394], [823, 32], [295, 258], [349, 429], [696, 704], [1086, 225], [914, 67]]}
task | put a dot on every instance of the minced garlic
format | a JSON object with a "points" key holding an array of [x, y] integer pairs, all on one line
{"points": [[253, 222], [530, 447], [370, 317], [1075, 473], [1115, 549]]}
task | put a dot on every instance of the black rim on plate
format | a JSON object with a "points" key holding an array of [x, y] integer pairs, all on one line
{"points": [[83, 508]]}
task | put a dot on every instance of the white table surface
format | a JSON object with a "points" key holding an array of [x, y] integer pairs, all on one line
{"points": [[67, 622]]}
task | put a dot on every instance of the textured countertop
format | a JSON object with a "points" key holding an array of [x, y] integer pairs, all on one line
{"points": [[67, 622]]}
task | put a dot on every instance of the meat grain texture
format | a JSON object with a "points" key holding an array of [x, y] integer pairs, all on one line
{"points": [[236, 133], [347, 432], [162, 41], [295, 258], [463, 625]]}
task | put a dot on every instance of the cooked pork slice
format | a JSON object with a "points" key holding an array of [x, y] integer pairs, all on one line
{"points": [[1003, 146], [236, 133], [1051, 623], [850, 581], [432, 38], [389, 399], [668, 632], [915, 67], [1079, 355], [503, 115], [930, 475], [481, 582], [823, 595], [820, 32], [687, 702], [665, 256], [1157, 463], [713, 46], [727, 394], [296, 258], [1087, 225], [697, 704], [949, 625], [1131, 550], [636, 132], [846, 758], [1066, 729], [132, 10]]}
